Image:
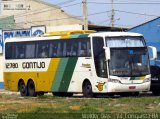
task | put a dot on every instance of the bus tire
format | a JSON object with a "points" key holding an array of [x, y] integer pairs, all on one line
{"points": [[22, 88], [87, 89], [31, 89]]}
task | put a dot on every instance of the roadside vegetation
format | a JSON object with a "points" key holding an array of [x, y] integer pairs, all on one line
{"points": [[49, 106]]}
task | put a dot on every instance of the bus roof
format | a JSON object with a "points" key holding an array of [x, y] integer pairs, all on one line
{"points": [[98, 34], [19, 39], [114, 34]]}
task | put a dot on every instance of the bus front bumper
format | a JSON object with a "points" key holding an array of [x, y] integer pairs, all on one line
{"points": [[118, 87]]}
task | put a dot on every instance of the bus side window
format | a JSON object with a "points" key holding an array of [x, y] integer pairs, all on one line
{"points": [[22, 52], [30, 50], [53, 49], [63, 49], [43, 49], [8, 51], [83, 49], [74, 48], [19, 52], [71, 48], [68, 49], [60, 49]]}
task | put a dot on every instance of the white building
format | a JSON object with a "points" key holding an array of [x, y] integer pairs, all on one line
{"points": [[29, 13]]}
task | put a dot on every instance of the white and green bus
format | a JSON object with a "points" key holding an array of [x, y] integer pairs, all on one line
{"points": [[71, 62]]}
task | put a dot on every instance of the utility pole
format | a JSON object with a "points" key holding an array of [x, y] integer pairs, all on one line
{"points": [[113, 14], [85, 14]]}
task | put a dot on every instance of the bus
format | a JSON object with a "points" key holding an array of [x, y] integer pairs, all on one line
{"points": [[70, 62]]}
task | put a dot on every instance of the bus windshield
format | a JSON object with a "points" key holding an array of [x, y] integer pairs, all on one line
{"points": [[129, 61]]}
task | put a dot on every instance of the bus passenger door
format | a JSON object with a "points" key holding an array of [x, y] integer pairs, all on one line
{"points": [[99, 57]]}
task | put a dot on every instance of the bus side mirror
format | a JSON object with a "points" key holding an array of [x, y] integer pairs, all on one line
{"points": [[107, 53], [153, 52]]}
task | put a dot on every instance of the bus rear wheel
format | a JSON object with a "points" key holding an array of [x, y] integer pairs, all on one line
{"points": [[31, 89], [22, 88], [87, 89]]}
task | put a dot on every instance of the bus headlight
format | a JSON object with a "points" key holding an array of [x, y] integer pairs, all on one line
{"points": [[114, 81], [147, 80]]}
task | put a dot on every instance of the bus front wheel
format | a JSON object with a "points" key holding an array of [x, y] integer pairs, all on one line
{"points": [[87, 89], [31, 89], [22, 88]]}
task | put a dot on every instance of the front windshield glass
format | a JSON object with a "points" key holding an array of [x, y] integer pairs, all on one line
{"points": [[140, 63], [119, 62], [129, 61]]}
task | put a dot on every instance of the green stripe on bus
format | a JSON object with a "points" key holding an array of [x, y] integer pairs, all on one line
{"points": [[74, 36], [59, 74], [68, 74], [83, 36], [79, 36]]}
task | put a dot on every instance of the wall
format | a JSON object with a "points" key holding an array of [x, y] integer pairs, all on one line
{"points": [[7, 23], [36, 12], [64, 28]]}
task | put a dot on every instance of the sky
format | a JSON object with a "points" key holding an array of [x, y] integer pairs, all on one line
{"points": [[128, 13]]}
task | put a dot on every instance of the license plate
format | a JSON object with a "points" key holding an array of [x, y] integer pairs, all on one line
{"points": [[132, 87]]}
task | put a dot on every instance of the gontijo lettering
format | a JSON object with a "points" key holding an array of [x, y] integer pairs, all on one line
{"points": [[33, 65], [26, 65]]}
